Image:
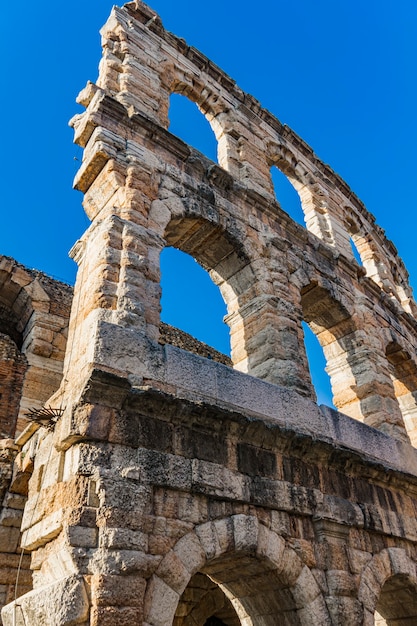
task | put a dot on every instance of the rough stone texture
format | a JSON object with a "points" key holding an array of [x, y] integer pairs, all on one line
{"points": [[176, 489], [176, 337], [34, 313]]}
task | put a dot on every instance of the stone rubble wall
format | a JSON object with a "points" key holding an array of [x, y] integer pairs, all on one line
{"points": [[180, 339]]}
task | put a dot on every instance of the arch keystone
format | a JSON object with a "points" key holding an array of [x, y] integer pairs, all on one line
{"points": [[245, 530]]}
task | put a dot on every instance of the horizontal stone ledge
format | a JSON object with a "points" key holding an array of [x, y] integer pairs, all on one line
{"points": [[175, 375]]}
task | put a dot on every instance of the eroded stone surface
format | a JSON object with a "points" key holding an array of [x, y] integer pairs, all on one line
{"points": [[178, 488]]}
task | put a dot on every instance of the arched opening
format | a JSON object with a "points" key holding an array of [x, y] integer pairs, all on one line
{"points": [[331, 326], [309, 207], [204, 603], [317, 365], [230, 270], [238, 589], [360, 378], [355, 251], [191, 301], [397, 603], [359, 244], [265, 581], [188, 123], [260, 345], [403, 373], [287, 196]]}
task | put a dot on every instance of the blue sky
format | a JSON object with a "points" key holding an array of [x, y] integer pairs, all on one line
{"points": [[341, 74]]}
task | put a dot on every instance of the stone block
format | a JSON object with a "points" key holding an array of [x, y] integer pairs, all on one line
{"points": [[9, 538], [174, 572], [107, 590], [82, 537], [160, 603], [208, 539], [63, 603], [110, 616], [190, 552], [245, 531], [123, 538], [341, 583]]}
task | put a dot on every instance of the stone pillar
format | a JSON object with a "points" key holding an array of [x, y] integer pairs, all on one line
{"points": [[361, 382]]}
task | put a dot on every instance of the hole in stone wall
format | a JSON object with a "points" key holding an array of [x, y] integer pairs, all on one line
{"points": [[191, 301], [188, 123], [317, 365], [287, 196], [355, 251]]}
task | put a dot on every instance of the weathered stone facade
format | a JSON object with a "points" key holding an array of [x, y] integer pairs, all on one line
{"points": [[176, 489], [34, 313]]}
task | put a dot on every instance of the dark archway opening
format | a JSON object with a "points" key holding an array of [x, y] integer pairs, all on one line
{"points": [[214, 621], [205, 603]]}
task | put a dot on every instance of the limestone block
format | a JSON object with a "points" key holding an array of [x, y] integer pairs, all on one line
{"points": [[270, 547], [109, 616], [9, 538], [358, 559], [14, 501], [82, 537], [341, 583], [40, 533], [245, 530], [123, 538], [305, 590], [214, 479], [64, 603], [209, 540], [125, 562], [11, 517], [118, 590], [173, 572], [160, 603], [291, 566], [190, 552], [345, 611]]}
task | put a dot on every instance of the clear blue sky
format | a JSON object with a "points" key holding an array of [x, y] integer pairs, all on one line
{"points": [[341, 74]]}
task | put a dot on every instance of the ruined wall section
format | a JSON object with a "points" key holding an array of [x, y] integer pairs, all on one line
{"points": [[145, 189], [34, 313], [166, 465], [143, 64], [34, 317]]}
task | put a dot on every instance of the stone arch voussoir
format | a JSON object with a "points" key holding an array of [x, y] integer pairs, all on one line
{"points": [[388, 563]]}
